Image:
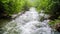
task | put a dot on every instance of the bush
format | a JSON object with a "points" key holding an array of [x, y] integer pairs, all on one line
{"points": [[27, 5], [9, 7], [52, 23], [50, 6], [55, 25], [12, 6], [42, 4]]}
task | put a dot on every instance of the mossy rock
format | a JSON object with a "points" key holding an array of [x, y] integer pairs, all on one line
{"points": [[55, 24]]}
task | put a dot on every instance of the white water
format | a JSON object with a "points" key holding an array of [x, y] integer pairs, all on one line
{"points": [[28, 23]]}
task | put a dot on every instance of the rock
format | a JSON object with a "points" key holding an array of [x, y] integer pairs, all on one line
{"points": [[57, 27]]}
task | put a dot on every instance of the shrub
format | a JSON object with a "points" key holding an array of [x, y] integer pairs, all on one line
{"points": [[55, 25], [54, 22], [9, 7], [50, 6], [12, 6]]}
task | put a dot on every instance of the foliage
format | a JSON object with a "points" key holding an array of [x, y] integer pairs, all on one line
{"points": [[53, 23], [27, 5], [50, 6], [42, 4], [9, 7]]}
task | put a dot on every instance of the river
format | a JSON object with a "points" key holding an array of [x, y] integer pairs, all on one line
{"points": [[29, 23]]}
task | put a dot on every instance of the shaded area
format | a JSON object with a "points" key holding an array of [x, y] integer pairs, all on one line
{"points": [[3, 22]]}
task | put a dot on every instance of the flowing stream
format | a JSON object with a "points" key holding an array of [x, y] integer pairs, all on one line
{"points": [[29, 23]]}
